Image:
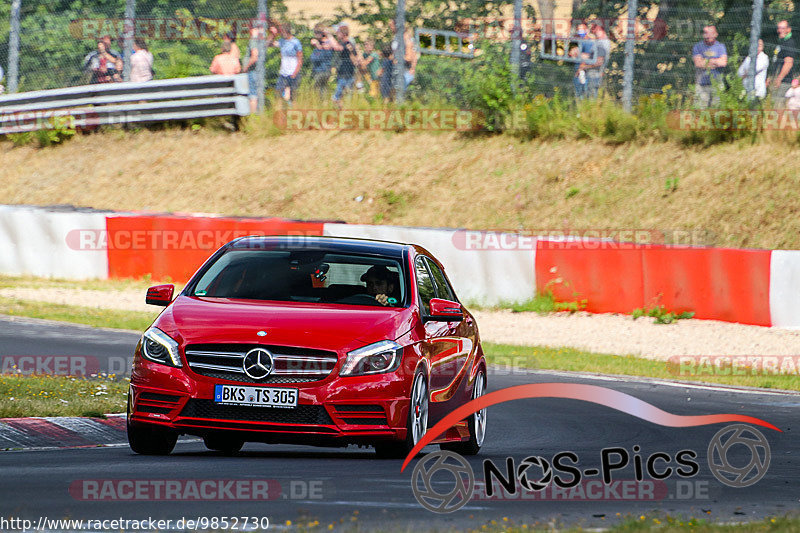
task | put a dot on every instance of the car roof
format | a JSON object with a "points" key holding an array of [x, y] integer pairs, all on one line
{"points": [[321, 243]]}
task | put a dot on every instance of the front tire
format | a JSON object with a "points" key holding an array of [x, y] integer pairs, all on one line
{"points": [[146, 440], [416, 425], [476, 423]]}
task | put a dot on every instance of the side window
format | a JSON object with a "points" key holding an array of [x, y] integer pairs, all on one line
{"points": [[424, 285], [443, 289]]}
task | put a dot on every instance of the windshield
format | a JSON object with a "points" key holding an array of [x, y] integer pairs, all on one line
{"points": [[304, 277]]}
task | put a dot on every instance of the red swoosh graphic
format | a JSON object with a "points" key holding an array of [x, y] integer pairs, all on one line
{"points": [[576, 391]]}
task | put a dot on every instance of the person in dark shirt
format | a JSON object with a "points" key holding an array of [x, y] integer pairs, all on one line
{"points": [[348, 59], [784, 58], [386, 74], [321, 58]]}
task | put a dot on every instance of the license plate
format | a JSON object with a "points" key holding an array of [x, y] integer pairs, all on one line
{"points": [[257, 396]]}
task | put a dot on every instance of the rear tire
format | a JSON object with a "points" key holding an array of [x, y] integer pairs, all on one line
{"points": [[417, 423], [226, 444], [476, 424]]}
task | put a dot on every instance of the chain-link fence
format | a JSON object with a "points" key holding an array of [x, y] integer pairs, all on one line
{"points": [[452, 49]]}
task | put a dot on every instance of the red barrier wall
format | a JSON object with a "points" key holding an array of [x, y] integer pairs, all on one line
{"points": [[609, 279], [174, 247], [714, 283]]}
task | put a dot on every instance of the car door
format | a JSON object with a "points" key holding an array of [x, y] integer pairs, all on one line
{"points": [[445, 350], [458, 337]]}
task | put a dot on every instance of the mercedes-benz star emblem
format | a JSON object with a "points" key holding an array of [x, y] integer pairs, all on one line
{"points": [[257, 363]]}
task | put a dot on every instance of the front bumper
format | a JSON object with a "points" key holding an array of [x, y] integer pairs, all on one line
{"points": [[333, 411]]}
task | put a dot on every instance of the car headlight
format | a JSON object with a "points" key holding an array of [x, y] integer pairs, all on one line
{"points": [[376, 358], [159, 347]]}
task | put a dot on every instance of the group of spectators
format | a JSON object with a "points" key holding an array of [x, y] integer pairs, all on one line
{"points": [[710, 59], [593, 50], [104, 64], [368, 69]]}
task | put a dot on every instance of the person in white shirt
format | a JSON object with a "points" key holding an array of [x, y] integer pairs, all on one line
{"points": [[141, 62], [793, 96], [762, 64]]}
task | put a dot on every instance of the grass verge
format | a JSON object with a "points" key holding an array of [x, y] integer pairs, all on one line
{"points": [[90, 316], [33, 282], [60, 396], [574, 360]]}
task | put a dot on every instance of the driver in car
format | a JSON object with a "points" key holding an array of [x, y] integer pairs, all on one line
{"points": [[381, 283]]}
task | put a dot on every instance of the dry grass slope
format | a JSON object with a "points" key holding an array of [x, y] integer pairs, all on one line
{"points": [[745, 194]]}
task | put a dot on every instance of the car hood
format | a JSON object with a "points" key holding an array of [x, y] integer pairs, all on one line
{"points": [[193, 320]]}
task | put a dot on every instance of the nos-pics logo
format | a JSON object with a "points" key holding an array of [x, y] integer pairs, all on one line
{"points": [[444, 481]]}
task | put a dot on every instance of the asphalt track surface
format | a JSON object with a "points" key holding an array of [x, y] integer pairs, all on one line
{"points": [[37, 483]]}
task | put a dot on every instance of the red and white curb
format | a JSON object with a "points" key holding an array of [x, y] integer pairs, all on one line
{"points": [[43, 433]]}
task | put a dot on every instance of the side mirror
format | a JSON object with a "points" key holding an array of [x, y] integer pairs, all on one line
{"points": [[445, 310], [160, 295]]}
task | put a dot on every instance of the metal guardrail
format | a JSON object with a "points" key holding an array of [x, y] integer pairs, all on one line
{"points": [[549, 44], [122, 103], [444, 43]]}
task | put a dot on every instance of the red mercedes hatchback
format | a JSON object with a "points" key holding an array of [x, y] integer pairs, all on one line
{"points": [[308, 340]]}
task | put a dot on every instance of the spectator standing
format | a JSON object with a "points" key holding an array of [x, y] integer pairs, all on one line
{"points": [[411, 56], [710, 59], [102, 65], [230, 37], [596, 70], [348, 59], [583, 51], [784, 58], [386, 74], [321, 59], [793, 96], [372, 63], [2, 88], [762, 65], [224, 64], [141, 62], [249, 65], [291, 61]]}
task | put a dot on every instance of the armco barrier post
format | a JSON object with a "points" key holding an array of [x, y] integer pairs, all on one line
{"points": [[400, 53], [630, 42], [262, 52], [127, 47], [755, 32], [516, 42], [13, 47]]}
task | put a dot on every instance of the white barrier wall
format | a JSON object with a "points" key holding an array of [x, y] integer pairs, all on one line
{"points": [[784, 288], [34, 241], [482, 276]]}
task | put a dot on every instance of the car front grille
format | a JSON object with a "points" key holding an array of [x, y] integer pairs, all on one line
{"points": [[291, 364], [302, 414]]}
